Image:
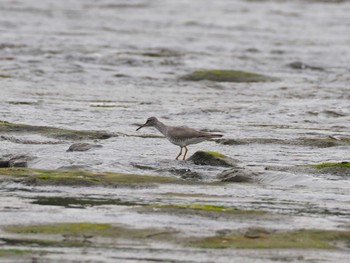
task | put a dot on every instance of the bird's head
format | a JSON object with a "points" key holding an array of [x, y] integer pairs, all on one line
{"points": [[151, 121]]}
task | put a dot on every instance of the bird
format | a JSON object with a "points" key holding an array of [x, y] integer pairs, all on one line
{"points": [[179, 135]]}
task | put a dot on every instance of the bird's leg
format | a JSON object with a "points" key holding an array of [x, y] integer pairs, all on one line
{"points": [[186, 150], [177, 157]]}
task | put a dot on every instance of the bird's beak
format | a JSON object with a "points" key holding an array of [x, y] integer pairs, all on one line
{"points": [[140, 127]]}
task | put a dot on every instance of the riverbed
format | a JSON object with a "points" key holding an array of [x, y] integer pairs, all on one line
{"points": [[109, 65]]}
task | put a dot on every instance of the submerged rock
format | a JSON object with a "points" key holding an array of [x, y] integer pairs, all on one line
{"points": [[300, 65], [236, 175], [186, 174], [338, 169], [57, 133], [259, 238], [341, 168], [81, 147], [15, 161], [38, 177], [212, 158], [227, 76], [324, 142]]}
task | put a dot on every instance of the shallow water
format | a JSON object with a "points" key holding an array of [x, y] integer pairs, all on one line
{"points": [[107, 65]]}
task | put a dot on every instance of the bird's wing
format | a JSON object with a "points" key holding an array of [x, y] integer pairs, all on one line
{"points": [[184, 132]]}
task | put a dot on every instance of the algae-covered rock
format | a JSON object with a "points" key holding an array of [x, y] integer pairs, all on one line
{"points": [[341, 168], [207, 210], [227, 76], [212, 158], [79, 202], [264, 239], [236, 175], [78, 234], [82, 147], [323, 142], [82, 178], [14, 252], [57, 133]]}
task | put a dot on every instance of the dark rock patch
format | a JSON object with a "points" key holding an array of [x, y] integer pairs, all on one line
{"points": [[186, 174], [79, 202], [15, 161], [236, 175], [212, 158], [300, 66], [57, 133], [324, 142], [82, 147], [227, 76], [26, 141]]}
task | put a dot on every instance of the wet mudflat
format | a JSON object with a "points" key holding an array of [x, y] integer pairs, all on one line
{"points": [[79, 184]]}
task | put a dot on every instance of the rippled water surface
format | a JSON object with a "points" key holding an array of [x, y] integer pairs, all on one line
{"points": [[108, 65]]}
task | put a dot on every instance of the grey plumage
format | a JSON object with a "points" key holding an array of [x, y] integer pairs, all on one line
{"points": [[179, 135]]}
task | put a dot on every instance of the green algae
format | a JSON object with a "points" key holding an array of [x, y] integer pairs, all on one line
{"points": [[212, 158], [78, 242], [335, 165], [83, 178], [4, 76], [80, 234], [57, 133], [227, 76], [216, 154], [204, 208], [189, 195], [14, 252], [302, 141], [301, 239], [80, 202], [23, 102]]}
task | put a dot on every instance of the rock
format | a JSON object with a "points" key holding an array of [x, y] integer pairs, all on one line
{"points": [[15, 161], [82, 147], [227, 76], [340, 169], [186, 174], [230, 141], [236, 175], [57, 133], [299, 66], [4, 163], [212, 158]]}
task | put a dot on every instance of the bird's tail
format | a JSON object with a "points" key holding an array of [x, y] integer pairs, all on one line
{"points": [[216, 135]]}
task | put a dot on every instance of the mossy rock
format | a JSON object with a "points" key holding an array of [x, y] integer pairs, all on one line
{"points": [[341, 169], [14, 252], [79, 202], [57, 133], [236, 175], [80, 234], [83, 178], [202, 210], [263, 239], [212, 158], [345, 165], [302, 141], [227, 76]]}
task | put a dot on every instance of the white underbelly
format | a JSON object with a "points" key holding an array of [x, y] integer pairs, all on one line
{"points": [[189, 141]]}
